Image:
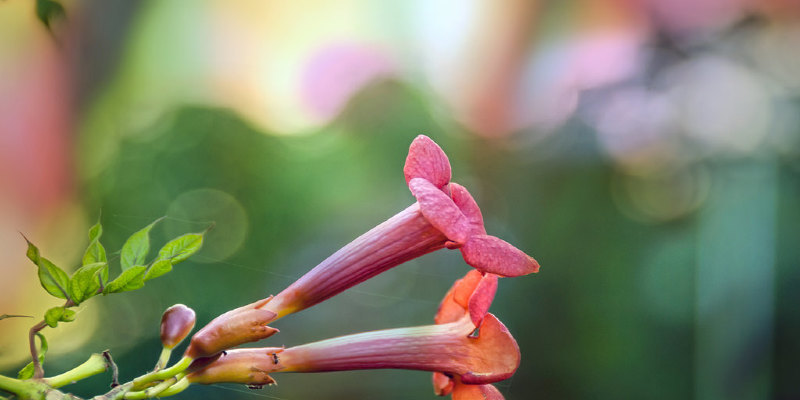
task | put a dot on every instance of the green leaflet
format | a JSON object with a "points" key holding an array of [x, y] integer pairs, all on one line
{"points": [[95, 252], [85, 282], [58, 314], [181, 248], [136, 247], [130, 279], [53, 279], [158, 268]]}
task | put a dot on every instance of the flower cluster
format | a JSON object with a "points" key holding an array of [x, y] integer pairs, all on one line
{"points": [[467, 348]]}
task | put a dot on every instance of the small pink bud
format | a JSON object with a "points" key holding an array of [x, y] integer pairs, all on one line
{"points": [[176, 323]]}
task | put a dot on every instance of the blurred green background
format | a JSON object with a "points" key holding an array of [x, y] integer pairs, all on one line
{"points": [[645, 152]]}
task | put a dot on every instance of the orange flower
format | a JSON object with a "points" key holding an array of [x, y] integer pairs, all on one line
{"points": [[471, 295]]}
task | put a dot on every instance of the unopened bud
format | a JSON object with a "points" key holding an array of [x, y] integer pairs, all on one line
{"points": [[176, 323]]}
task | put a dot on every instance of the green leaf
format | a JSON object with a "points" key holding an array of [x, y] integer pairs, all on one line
{"points": [[85, 283], [48, 10], [136, 247], [27, 371], [181, 248], [130, 279], [158, 268], [68, 316], [56, 314], [95, 231], [33, 251], [95, 253], [53, 315], [53, 279]]}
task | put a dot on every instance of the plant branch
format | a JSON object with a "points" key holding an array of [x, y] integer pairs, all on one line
{"points": [[23, 389], [114, 371], [179, 367], [96, 364], [116, 393], [38, 371]]}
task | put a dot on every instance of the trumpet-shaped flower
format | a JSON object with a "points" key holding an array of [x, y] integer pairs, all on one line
{"points": [[467, 349], [453, 348], [445, 215]]}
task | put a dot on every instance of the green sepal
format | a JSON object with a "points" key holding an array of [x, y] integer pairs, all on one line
{"points": [[136, 247], [158, 268], [130, 279], [181, 248], [27, 371], [85, 282]]}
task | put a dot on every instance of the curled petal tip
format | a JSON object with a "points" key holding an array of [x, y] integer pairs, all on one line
{"points": [[481, 298], [440, 210], [494, 255], [428, 161], [495, 339]]}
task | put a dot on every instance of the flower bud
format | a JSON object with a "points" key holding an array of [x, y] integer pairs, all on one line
{"points": [[176, 323]]}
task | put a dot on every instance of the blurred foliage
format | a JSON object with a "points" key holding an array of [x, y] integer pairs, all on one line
{"points": [[619, 309]]}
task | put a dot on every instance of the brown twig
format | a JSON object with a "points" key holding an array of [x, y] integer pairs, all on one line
{"points": [[38, 371], [114, 371]]}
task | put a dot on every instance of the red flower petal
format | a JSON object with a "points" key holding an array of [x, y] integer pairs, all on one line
{"points": [[476, 392], [482, 298], [442, 384], [494, 255], [427, 160], [440, 210], [455, 302], [496, 354], [468, 207]]}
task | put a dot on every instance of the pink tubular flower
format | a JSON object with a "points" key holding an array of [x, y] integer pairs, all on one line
{"points": [[445, 215], [490, 356], [465, 359], [471, 295]]}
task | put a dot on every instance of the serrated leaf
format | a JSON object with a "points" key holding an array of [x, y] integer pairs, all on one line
{"points": [[158, 268], [85, 283], [27, 371], [53, 279], [130, 279], [181, 248], [53, 315], [136, 247]]}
